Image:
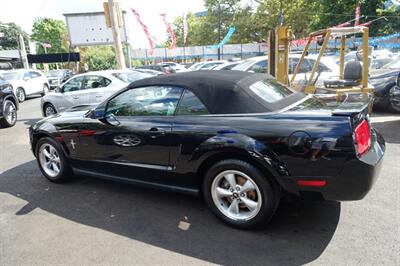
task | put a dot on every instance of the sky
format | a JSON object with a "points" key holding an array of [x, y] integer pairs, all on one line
{"points": [[23, 13]]}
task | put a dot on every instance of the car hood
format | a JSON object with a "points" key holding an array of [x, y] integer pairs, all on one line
{"points": [[383, 73]]}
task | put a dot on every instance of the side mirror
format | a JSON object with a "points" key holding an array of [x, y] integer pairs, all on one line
{"points": [[59, 89], [26, 79], [97, 113]]}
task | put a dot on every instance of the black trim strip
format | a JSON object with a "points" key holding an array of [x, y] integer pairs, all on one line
{"points": [[190, 191]]}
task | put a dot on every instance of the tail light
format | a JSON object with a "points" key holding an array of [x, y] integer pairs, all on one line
{"points": [[363, 137]]}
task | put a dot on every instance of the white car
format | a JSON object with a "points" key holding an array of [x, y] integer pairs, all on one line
{"points": [[206, 65], [211, 64], [88, 89], [26, 82], [227, 65], [327, 68], [177, 67], [196, 66]]}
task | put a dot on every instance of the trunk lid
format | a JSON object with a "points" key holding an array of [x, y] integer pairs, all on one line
{"points": [[356, 106]]}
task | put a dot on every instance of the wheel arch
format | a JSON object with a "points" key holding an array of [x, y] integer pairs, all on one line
{"points": [[13, 100], [44, 106], [36, 137], [214, 158]]}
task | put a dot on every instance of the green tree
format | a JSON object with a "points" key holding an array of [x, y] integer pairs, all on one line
{"points": [[11, 33], [98, 57], [52, 31]]}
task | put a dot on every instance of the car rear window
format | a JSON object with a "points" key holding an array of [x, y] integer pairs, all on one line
{"points": [[129, 77], [270, 90], [10, 75]]}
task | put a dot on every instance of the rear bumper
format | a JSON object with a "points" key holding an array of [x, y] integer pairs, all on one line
{"points": [[354, 181]]}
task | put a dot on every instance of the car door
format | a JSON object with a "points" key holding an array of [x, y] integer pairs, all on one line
{"points": [[192, 126], [95, 87], [133, 141], [71, 94], [37, 81], [28, 84]]}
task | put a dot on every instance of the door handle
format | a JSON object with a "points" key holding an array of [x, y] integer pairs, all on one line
{"points": [[75, 97], [154, 132], [98, 95]]}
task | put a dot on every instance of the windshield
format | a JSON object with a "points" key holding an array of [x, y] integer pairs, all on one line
{"points": [[209, 66], [55, 73], [10, 75], [196, 66], [270, 90], [129, 77], [244, 65], [394, 64]]}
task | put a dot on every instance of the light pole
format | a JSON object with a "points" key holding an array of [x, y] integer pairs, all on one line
{"points": [[219, 29]]}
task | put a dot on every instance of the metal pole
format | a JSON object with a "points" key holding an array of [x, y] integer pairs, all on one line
{"points": [[219, 30], [128, 46], [23, 52], [281, 18], [116, 34]]}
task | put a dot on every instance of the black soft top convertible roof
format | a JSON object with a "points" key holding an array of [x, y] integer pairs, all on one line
{"points": [[222, 92]]}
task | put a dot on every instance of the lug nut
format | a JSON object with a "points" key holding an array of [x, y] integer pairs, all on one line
{"points": [[242, 194]]}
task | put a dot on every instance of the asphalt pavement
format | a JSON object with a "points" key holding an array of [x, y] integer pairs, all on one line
{"points": [[91, 221]]}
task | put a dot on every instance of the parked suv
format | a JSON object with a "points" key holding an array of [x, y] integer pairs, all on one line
{"points": [[58, 76], [26, 82], [8, 104]]}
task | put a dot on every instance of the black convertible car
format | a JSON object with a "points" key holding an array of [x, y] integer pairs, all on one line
{"points": [[241, 140]]}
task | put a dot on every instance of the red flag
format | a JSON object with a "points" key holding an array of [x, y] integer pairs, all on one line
{"points": [[357, 16], [170, 31], [145, 29], [342, 25], [366, 24]]}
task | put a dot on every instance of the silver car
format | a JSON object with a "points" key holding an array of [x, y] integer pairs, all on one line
{"points": [[88, 88]]}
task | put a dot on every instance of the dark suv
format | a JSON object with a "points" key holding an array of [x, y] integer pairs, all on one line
{"points": [[8, 105]]}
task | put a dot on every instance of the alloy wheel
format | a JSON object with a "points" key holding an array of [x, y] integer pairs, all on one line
{"points": [[236, 195], [49, 160], [49, 110], [10, 113], [21, 95]]}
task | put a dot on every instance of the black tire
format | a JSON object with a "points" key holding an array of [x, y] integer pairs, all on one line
{"points": [[269, 192], [46, 107], [5, 121], [20, 93], [65, 172], [45, 89]]}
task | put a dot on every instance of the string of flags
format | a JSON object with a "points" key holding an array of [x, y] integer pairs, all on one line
{"points": [[145, 29], [169, 30]]}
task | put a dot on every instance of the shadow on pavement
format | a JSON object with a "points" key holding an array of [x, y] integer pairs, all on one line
{"points": [[298, 234], [390, 130]]}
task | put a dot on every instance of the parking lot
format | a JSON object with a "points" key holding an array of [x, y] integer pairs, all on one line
{"points": [[91, 221]]}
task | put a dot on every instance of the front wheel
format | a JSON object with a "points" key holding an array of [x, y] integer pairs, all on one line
{"points": [[239, 194], [9, 114], [52, 162], [49, 110], [20, 93]]}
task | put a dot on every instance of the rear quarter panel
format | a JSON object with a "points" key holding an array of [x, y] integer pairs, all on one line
{"points": [[300, 146]]}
